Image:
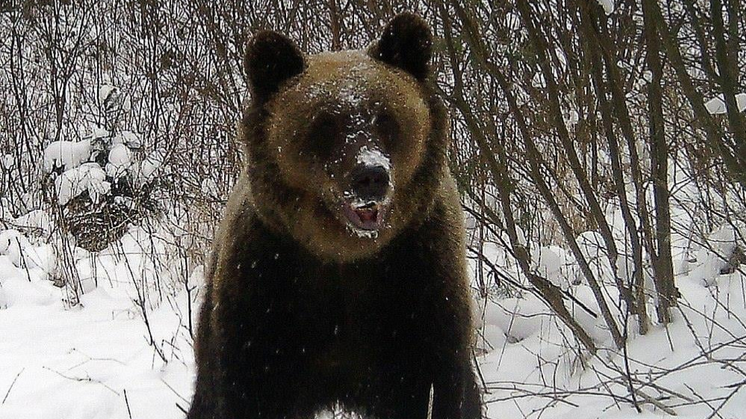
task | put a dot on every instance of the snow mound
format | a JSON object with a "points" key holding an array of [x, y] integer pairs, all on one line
{"points": [[88, 177], [712, 261], [12, 244], [7, 161], [120, 159], [716, 105], [18, 250], [553, 263], [517, 318], [128, 138], [149, 167], [66, 154], [100, 132], [19, 290], [108, 96], [24, 271], [35, 220], [608, 6]]}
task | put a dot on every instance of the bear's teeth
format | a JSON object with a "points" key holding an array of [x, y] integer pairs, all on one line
{"points": [[366, 206]]}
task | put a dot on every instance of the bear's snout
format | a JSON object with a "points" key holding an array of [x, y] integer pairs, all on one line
{"points": [[367, 196], [369, 183]]}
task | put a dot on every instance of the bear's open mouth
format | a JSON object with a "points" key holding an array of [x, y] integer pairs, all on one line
{"points": [[368, 216]]}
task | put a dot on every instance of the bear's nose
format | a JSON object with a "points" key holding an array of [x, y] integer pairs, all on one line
{"points": [[370, 182]]}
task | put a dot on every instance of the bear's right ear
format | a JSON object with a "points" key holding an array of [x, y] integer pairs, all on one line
{"points": [[406, 43], [271, 58]]}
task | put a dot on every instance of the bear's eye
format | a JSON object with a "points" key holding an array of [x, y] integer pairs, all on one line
{"points": [[387, 129], [324, 134]]}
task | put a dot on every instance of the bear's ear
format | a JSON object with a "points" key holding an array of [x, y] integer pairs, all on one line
{"points": [[271, 58], [406, 43]]}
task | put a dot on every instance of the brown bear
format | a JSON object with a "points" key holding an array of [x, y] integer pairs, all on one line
{"points": [[338, 278]]}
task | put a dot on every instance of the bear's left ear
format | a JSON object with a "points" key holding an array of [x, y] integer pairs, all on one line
{"points": [[271, 58], [406, 43]]}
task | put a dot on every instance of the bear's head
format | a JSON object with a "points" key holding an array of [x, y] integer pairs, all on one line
{"points": [[345, 149]]}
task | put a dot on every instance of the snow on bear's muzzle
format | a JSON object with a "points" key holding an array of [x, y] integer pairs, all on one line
{"points": [[368, 195]]}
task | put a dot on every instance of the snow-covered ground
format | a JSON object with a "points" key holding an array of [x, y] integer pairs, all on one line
{"points": [[89, 362], [94, 360], [693, 367]]}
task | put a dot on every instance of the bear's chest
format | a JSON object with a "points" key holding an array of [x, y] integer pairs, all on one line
{"points": [[346, 326], [351, 322], [344, 308]]}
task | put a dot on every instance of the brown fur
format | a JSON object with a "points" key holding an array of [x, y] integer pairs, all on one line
{"points": [[287, 115], [302, 314]]}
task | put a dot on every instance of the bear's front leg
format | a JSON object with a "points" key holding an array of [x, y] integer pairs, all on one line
{"points": [[454, 389], [254, 397], [456, 392], [263, 362], [262, 382]]}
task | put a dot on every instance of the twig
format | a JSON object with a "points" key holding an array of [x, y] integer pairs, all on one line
{"points": [[183, 410], [12, 384], [703, 400], [85, 379], [655, 402], [627, 370], [715, 411], [430, 402], [734, 385], [479, 371], [174, 391], [127, 402]]}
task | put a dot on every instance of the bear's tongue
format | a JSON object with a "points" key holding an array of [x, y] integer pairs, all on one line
{"points": [[367, 215]]}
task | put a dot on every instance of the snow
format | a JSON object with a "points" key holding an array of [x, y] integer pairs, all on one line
{"points": [[716, 105], [542, 362], [608, 6], [89, 177], [66, 154], [120, 159], [373, 157], [572, 118], [149, 167], [119, 155], [12, 243], [109, 96], [100, 132], [363, 234], [532, 364], [517, 318], [7, 161], [712, 260], [79, 364], [647, 75], [105, 91], [93, 361], [593, 248], [35, 220], [128, 138], [538, 81], [554, 264], [337, 412], [209, 187], [513, 21]]}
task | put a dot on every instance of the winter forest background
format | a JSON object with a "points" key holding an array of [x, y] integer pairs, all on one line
{"points": [[600, 148]]}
